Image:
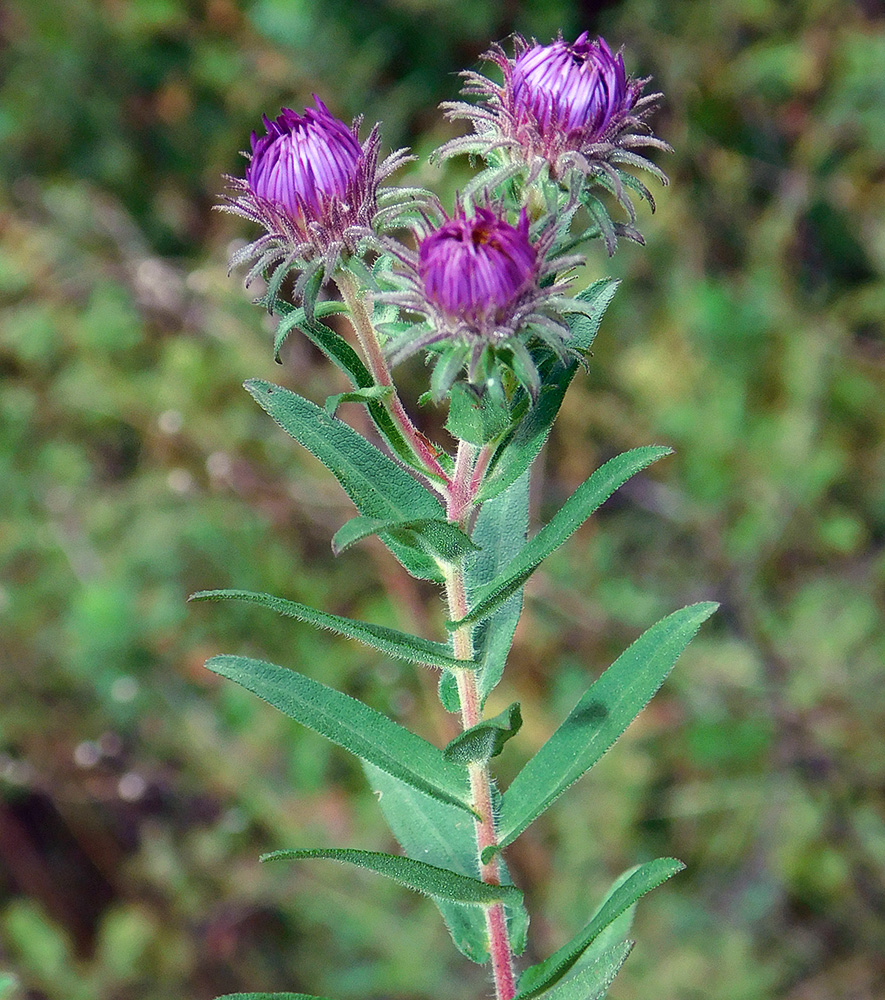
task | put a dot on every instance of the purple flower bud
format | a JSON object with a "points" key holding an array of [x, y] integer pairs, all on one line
{"points": [[304, 162], [566, 111], [476, 269], [578, 86], [313, 187]]}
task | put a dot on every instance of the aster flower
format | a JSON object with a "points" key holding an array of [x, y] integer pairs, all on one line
{"points": [[486, 292], [564, 111], [314, 188]]}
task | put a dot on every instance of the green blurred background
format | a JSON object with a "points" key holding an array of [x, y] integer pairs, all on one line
{"points": [[136, 790]]}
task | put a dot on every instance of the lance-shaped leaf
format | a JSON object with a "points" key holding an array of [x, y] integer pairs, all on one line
{"points": [[351, 724], [518, 450], [579, 506], [368, 395], [486, 739], [436, 536], [376, 484], [477, 418], [340, 353], [399, 645], [435, 832], [295, 317], [598, 719], [500, 532], [539, 978], [593, 982], [269, 996], [415, 875]]}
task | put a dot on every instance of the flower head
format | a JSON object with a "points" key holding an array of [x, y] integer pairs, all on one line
{"points": [[305, 164], [313, 187], [476, 269], [486, 292], [578, 87], [567, 111]]}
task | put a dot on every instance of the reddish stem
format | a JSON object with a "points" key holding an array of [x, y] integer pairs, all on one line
{"points": [[480, 780], [361, 322]]}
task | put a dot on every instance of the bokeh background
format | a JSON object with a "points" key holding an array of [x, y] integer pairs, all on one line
{"points": [[136, 790]]}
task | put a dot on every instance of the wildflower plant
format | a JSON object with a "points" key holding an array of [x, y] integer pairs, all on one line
{"points": [[485, 294]]}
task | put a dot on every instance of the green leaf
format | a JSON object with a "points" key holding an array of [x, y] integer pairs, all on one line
{"points": [[500, 532], [615, 933], [518, 450], [539, 978], [269, 996], [585, 326], [7, 984], [351, 724], [436, 536], [435, 832], [399, 645], [476, 418], [592, 982], [292, 318], [448, 692], [369, 394], [340, 353], [486, 739], [598, 719], [416, 875], [376, 484], [579, 506]]}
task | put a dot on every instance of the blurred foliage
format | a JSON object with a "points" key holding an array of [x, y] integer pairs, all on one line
{"points": [[136, 790]]}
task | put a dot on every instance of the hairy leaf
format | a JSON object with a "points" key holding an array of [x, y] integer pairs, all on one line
{"points": [[416, 875], [399, 645], [592, 982], [269, 996], [579, 506], [436, 536], [500, 532], [376, 484], [340, 353], [351, 724], [435, 832], [598, 719], [293, 318], [486, 739], [539, 978], [367, 395], [476, 418]]}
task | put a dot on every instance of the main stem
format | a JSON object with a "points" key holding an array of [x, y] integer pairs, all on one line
{"points": [[471, 713]]}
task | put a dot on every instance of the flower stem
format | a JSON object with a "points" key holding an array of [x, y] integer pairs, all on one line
{"points": [[362, 324], [471, 714]]}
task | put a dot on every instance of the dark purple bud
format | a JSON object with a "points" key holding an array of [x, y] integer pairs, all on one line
{"points": [[475, 269], [304, 162], [572, 86]]}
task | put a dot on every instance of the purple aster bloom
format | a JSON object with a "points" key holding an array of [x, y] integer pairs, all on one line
{"points": [[304, 163], [484, 289], [475, 269], [567, 111], [314, 188], [579, 86]]}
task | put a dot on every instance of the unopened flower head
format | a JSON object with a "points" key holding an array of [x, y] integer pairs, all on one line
{"points": [[305, 165], [580, 87], [486, 291], [476, 269], [313, 187], [567, 110]]}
